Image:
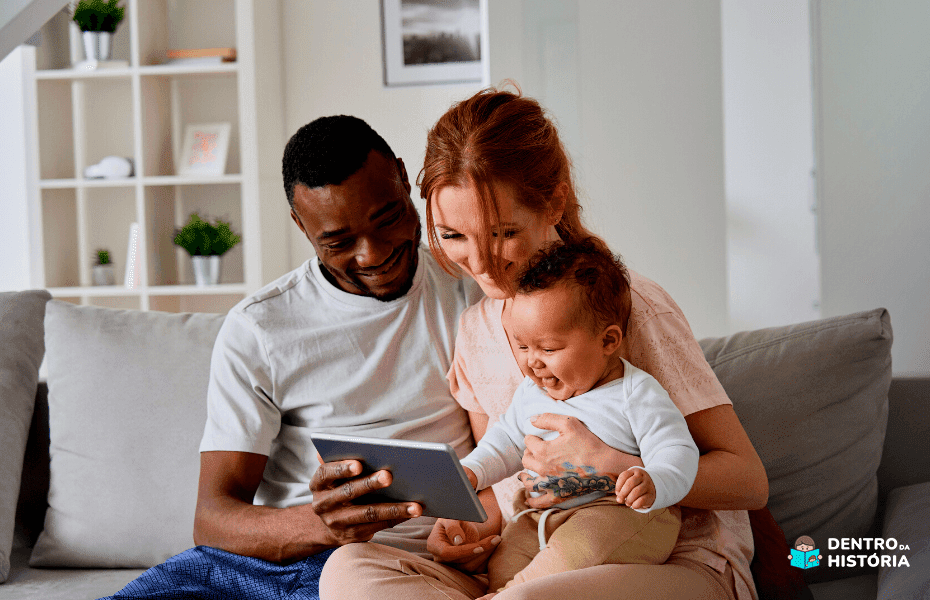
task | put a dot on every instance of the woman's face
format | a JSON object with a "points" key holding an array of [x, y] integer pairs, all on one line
{"points": [[457, 219]]}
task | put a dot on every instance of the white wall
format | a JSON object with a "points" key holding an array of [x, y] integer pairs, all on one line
{"points": [[332, 65], [18, 269], [636, 90], [773, 265], [647, 131], [873, 106]]}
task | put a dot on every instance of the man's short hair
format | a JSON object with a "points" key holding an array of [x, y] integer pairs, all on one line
{"points": [[328, 151], [599, 277]]}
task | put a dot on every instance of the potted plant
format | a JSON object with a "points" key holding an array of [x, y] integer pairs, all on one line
{"points": [[206, 242], [97, 20], [103, 270]]}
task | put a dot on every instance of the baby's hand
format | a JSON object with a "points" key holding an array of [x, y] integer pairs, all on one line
{"points": [[635, 488]]}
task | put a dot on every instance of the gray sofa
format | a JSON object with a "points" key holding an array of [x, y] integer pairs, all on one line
{"points": [[121, 413]]}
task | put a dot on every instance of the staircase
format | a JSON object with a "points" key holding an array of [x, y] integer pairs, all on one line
{"points": [[21, 19]]}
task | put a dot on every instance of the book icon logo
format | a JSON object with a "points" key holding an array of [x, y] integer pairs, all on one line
{"points": [[805, 554]]}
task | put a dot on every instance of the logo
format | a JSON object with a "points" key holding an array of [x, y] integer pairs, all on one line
{"points": [[805, 555]]}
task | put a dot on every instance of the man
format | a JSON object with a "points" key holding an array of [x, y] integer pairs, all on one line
{"points": [[356, 340]]}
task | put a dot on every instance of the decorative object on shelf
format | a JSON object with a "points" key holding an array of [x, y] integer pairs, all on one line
{"points": [[111, 167], [98, 20], [201, 56], [133, 276], [104, 271], [429, 43], [206, 243], [204, 149]]}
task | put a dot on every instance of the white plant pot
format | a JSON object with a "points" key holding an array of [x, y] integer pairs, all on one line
{"points": [[104, 275], [96, 45], [206, 270]]}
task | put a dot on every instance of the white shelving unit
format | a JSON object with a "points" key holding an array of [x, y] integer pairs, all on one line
{"points": [[140, 111]]}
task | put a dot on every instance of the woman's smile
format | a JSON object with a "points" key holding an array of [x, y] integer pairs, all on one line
{"points": [[460, 233]]}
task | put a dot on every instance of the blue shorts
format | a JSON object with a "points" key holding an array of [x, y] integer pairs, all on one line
{"points": [[205, 573]]}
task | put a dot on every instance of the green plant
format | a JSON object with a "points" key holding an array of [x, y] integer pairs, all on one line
{"points": [[103, 257], [201, 238], [98, 15]]}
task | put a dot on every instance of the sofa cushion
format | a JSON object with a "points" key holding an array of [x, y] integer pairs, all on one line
{"points": [[813, 398], [906, 521], [22, 347], [127, 407]]}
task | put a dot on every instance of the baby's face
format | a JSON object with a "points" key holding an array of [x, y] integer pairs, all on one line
{"points": [[564, 358]]}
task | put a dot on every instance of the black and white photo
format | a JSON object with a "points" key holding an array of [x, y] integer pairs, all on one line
{"points": [[434, 41]]}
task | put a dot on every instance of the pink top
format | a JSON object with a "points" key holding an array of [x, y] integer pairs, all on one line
{"points": [[485, 374]]}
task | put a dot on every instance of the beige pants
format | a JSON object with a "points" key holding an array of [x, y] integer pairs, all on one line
{"points": [[598, 533], [374, 572]]}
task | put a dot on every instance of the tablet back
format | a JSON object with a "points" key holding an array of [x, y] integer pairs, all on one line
{"points": [[428, 473]]}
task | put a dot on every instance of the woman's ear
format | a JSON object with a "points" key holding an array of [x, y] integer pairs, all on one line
{"points": [[557, 205], [611, 338]]}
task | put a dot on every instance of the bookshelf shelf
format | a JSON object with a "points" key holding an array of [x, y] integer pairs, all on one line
{"points": [[138, 109]]}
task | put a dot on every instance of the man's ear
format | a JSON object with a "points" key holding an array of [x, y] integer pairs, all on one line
{"points": [[299, 224], [611, 338], [403, 174], [557, 205]]}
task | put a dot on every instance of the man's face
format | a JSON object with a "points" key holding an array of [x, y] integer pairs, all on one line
{"points": [[366, 230]]}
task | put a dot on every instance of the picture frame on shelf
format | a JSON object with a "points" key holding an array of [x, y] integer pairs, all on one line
{"points": [[204, 149], [426, 43]]}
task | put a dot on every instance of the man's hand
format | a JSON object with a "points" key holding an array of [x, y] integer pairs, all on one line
{"points": [[636, 489], [460, 543], [336, 485]]}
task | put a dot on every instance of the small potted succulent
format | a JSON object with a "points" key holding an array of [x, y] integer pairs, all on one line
{"points": [[206, 242], [97, 20], [103, 270]]}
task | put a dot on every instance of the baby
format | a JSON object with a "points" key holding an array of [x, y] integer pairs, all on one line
{"points": [[567, 322]]}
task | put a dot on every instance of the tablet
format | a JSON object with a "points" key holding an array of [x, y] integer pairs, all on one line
{"points": [[428, 473]]}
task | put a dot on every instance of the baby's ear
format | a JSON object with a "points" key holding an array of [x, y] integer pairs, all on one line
{"points": [[611, 338]]}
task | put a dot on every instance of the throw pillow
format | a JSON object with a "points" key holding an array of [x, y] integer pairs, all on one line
{"points": [[22, 347], [774, 577], [127, 407], [813, 398]]}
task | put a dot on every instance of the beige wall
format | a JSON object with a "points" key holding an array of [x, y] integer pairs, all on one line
{"points": [[643, 107]]}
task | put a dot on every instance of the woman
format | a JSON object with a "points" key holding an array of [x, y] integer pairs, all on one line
{"points": [[498, 186]]}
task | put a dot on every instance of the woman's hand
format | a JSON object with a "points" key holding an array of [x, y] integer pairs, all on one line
{"points": [[575, 463], [460, 543]]}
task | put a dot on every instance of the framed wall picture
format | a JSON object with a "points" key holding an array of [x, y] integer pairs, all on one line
{"points": [[204, 149], [435, 41]]}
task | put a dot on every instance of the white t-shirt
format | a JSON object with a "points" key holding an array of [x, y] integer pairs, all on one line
{"points": [[633, 414], [302, 356]]}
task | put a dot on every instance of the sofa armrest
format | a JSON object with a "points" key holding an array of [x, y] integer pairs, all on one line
{"points": [[905, 460], [906, 521]]}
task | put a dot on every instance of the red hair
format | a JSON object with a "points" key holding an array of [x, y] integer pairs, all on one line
{"points": [[499, 138]]}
